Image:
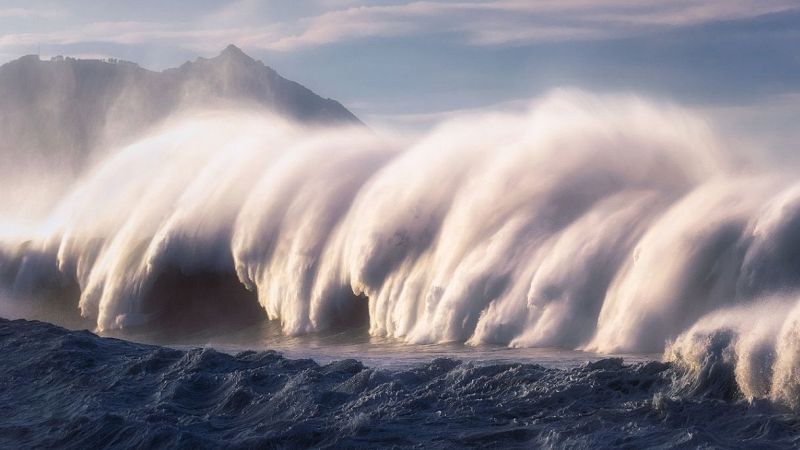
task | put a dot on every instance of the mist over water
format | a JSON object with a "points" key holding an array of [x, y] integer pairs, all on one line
{"points": [[602, 223]]}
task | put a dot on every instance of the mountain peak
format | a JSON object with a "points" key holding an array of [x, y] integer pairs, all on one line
{"points": [[232, 51]]}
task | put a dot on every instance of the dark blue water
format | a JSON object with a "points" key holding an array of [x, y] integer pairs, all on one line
{"points": [[69, 389]]}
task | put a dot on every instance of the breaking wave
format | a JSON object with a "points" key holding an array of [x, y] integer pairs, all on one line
{"points": [[605, 223]]}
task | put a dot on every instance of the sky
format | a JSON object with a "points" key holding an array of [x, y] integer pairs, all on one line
{"points": [[412, 64]]}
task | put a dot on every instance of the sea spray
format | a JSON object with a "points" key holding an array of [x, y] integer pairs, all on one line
{"points": [[607, 223]]}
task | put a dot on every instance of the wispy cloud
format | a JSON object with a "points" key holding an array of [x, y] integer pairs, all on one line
{"points": [[517, 22], [141, 33], [485, 23]]}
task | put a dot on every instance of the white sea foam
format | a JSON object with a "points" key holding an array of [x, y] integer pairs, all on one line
{"points": [[607, 223]]}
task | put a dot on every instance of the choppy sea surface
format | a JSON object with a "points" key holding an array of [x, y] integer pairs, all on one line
{"points": [[73, 389]]}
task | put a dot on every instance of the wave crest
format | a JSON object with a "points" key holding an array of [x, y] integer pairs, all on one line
{"points": [[603, 223]]}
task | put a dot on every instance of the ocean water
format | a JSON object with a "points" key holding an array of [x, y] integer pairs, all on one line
{"points": [[73, 389], [357, 343]]}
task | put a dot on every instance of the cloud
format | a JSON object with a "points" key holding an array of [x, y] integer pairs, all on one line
{"points": [[517, 22], [29, 13], [141, 33], [490, 23]]}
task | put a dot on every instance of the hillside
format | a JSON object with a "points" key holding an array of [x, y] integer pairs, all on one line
{"points": [[55, 114]]}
